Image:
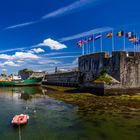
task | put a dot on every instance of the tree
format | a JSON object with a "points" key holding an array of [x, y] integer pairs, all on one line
{"points": [[26, 70]]}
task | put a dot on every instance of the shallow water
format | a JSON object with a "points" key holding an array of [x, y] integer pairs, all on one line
{"points": [[52, 119]]}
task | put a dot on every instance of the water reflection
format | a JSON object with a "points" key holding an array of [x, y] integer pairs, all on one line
{"points": [[25, 93], [49, 118], [52, 119]]}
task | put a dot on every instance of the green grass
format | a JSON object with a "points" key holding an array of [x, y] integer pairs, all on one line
{"points": [[128, 97], [60, 88], [103, 78]]}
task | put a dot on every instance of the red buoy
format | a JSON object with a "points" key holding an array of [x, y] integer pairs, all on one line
{"points": [[20, 119]]}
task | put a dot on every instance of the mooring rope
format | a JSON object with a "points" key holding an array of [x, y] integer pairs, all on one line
{"points": [[19, 133]]}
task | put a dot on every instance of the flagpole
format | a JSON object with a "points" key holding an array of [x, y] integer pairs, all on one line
{"points": [[93, 45], [83, 49], [134, 43], [124, 41], [88, 47], [138, 45], [137, 42], [101, 43], [112, 41], [135, 47]]}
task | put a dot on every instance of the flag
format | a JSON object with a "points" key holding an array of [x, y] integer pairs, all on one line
{"points": [[120, 33], [137, 42], [98, 36], [129, 34], [108, 35], [80, 43], [133, 38], [85, 40], [90, 39]]}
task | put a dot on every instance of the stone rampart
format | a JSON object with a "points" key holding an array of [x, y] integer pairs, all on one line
{"points": [[123, 66], [62, 79]]}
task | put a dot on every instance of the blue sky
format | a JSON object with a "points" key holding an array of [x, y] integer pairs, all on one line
{"points": [[42, 34]]}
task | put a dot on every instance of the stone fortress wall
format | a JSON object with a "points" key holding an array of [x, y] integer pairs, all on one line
{"points": [[62, 79], [121, 65]]}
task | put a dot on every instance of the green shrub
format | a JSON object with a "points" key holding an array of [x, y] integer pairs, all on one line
{"points": [[25, 70], [103, 78]]}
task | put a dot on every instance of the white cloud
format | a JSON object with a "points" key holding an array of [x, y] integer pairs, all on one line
{"points": [[70, 8], [20, 25], [4, 70], [60, 53], [37, 50], [87, 33], [11, 50], [61, 57], [49, 61], [20, 61], [1, 65], [75, 62], [10, 63], [5, 56], [19, 55], [24, 55], [64, 10], [52, 44]]}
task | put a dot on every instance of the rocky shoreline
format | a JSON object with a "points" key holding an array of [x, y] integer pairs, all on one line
{"points": [[91, 102]]}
